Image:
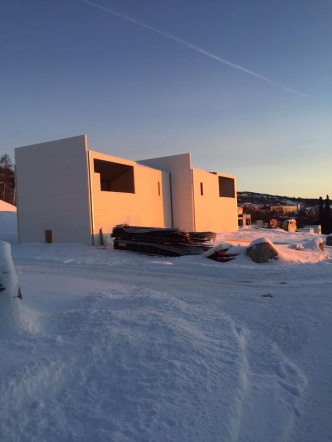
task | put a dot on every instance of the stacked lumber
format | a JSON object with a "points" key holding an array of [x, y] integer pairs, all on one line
{"points": [[160, 241], [151, 234], [202, 237]]}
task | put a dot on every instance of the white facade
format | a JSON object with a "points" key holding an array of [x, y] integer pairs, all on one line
{"points": [[179, 167], [67, 193], [53, 191], [142, 198]]}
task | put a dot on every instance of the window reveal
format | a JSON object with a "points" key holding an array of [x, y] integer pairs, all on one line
{"points": [[226, 187], [115, 177]]}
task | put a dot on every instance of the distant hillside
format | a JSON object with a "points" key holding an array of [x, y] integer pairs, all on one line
{"points": [[263, 199]]}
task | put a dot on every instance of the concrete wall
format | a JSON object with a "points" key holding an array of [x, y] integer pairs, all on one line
{"points": [[53, 191], [179, 167], [212, 212], [191, 210], [149, 205]]}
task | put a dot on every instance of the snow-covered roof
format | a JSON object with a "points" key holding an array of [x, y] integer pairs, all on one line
{"points": [[6, 207]]}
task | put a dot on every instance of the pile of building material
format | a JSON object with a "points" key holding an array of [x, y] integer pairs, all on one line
{"points": [[220, 253], [161, 241]]}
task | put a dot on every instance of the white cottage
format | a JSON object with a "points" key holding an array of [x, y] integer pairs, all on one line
{"points": [[67, 193]]}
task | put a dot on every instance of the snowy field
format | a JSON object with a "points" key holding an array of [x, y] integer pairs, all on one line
{"points": [[116, 346]]}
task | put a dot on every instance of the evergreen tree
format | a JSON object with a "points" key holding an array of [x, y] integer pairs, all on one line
{"points": [[325, 214], [328, 215], [7, 179], [321, 210], [327, 208]]}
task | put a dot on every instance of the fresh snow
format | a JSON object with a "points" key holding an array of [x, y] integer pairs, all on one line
{"points": [[8, 223], [118, 346]]}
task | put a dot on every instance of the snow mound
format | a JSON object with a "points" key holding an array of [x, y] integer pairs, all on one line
{"points": [[314, 244]]}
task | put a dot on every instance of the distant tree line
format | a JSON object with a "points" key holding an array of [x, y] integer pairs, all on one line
{"points": [[7, 180], [325, 214], [263, 199]]}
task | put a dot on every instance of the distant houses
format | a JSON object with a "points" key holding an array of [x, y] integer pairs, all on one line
{"points": [[244, 219], [285, 209], [68, 193]]}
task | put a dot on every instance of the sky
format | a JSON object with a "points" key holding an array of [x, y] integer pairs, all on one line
{"points": [[245, 86]]}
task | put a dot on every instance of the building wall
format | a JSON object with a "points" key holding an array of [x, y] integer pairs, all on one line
{"points": [[149, 205], [179, 167], [213, 212], [52, 191]]}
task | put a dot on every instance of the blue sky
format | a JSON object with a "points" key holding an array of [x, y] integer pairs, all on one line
{"points": [[137, 91]]}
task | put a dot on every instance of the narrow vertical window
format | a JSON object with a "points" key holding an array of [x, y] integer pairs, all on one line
{"points": [[48, 236], [158, 188], [202, 192]]}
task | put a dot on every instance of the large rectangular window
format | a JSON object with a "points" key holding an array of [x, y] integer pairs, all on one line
{"points": [[226, 187], [115, 177]]}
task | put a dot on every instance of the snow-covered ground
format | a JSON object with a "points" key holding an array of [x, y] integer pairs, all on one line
{"points": [[117, 346]]}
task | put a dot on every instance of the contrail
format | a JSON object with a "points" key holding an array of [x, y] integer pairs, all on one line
{"points": [[192, 47]]}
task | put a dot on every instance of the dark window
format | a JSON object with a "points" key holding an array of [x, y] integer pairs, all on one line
{"points": [[202, 190], [115, 177], [226, 187], [48, 236], [158, 188]]}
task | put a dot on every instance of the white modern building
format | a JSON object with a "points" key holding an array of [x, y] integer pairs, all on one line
{"points": [[68, 193]]}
